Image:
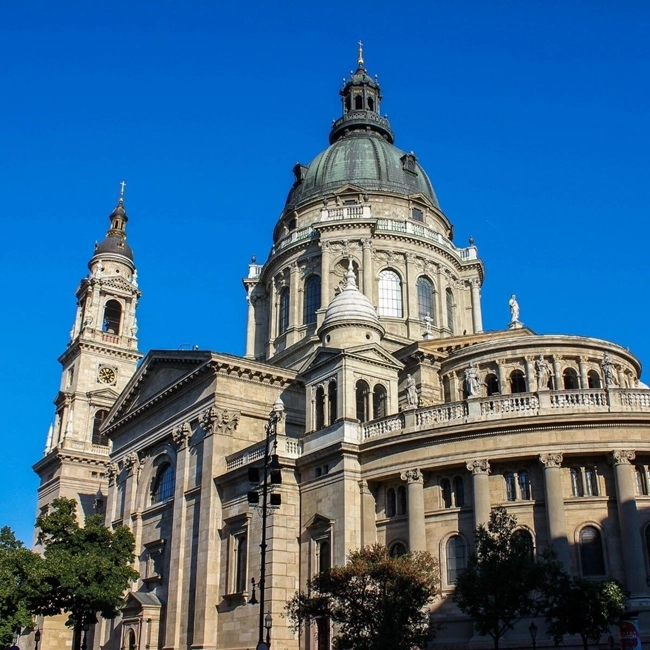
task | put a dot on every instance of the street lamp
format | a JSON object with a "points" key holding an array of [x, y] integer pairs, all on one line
{"points": [[37, 638], [272, 468], [532, 629], [85, 626]]}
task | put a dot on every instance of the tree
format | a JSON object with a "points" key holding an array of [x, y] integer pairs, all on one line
{"points": [[375, 600], [86, 569], [502, 582], [20, 573], [584, 607]]}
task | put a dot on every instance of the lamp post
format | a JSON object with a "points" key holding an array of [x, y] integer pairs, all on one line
{"points": [[85, 626], [37, 638], [532, 629], [270, 463]]}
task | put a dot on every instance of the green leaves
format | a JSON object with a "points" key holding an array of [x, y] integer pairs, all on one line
{"points": [[376, 601]]}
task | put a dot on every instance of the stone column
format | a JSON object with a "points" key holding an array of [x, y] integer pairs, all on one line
{"points": [[250, 324], [366, 260], [325, 275], [628, 521], [296, 303], [410, 312], [442, 304], [504, 384], [480, 490], [555, 516], [584, 378], [368, 525], [557, 372], [477, 318], [417, 534]]}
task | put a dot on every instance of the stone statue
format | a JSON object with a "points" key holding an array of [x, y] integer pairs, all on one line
{"points": [[609, 372], [428, 322], [543, 370], [99, 271], [472, 383], [514, 309], [411, 392], [134, 279]]}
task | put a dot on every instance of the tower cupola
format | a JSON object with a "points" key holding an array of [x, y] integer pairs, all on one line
{"points": [[115, 240]]}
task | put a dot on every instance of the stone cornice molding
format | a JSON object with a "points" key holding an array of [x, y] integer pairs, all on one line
{"points": [[77, 346], [622, 457], [481, 466], [551, 460], [412, 476]]}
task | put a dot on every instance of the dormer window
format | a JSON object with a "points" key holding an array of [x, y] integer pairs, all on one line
{"points": [[408, 163], [299, 172], [416, 214]]}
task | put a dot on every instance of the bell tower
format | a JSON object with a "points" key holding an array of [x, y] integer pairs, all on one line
{"points": [[100, 358]]}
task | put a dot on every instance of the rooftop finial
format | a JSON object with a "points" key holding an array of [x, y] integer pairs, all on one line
{"points": [[122, 186], [360, 60]]}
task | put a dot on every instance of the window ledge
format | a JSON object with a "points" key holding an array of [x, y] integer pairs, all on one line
{"points": [[236, 597], [152, 579]]}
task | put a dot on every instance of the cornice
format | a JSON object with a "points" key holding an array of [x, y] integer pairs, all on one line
{"points": [[78, 346]]}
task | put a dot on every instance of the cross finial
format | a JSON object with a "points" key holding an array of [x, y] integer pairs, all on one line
{"points": [[122, 186], [360, 59]]}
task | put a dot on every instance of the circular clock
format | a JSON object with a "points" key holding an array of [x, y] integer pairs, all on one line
{"points": [[106, 375]]}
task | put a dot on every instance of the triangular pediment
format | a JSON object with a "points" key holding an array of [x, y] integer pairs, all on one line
{"points": [[319, 521], [136, 601], [347, 188], [118, 284], [103, 394], [371, 353], [374, 353]]}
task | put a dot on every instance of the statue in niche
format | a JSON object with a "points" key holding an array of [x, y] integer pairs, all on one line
{"points": [[411, 392], [514, 309], [472, 383], [609, 372], [543, 371]]}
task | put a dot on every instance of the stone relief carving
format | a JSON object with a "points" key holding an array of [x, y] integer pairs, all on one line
{"points": [[133, 464], [181, 434], [551, 460], [479, 466], [412, 476], [213, 420], [112, 470], [622, 457]]}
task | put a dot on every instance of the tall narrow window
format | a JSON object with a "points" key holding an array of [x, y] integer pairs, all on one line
{"points": [[591, 482], [426, 302], [450, 311], [241, 550], [98, 437], [401, 500], [391, 502], [455, 558], [459, 491], [492, 384], [641, 483], [362, 390], [112, 317], [379, 401], [390, 294], [576, 482], [163, 487], [591, 552], [324, 556], [283, 311], [445, 488], [524, 485], [312, 299], [511, 487], [331, 398], [133, 643], [594, 379], [517, 382], [397, 550], [570, 378], [319, 408], [323, 633], [524, 538]]}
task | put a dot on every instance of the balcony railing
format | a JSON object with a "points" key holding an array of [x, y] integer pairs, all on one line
{"points": [[287, 447]]}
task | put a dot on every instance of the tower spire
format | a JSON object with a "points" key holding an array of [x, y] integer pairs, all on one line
{"points": [[360, 60]]}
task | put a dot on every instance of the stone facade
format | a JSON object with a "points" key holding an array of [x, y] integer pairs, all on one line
{"points": [[365, 321]]}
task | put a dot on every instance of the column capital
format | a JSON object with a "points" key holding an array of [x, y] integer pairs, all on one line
{"points": [[412, 476], [479, 466], [363, 487], [622, 457], [181, 434], [550, 460]]}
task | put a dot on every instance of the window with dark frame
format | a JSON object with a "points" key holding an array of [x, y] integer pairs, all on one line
{"points": [[591, 552], [163, 488], [312, 299], [283, 311], [455, 557]]}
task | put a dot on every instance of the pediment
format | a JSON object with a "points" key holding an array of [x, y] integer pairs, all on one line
{"points": [[347, 188], [319, 521], [118, 284], [137, 601], [103, 394], [318, 358], [372, 354]]}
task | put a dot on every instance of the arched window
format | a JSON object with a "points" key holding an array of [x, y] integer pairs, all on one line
{"points": [[112, 317], [570, 377], [98, 421], [426, 299], [320, 408], [133, 643], [591, 552], [324, 556], [594, 379], [390, 294], [331, 397], [312, 299], [511, 487], [362, 390], [523, 537], [397, 550], [371, 104], [401, 500], [591, 482], [492, 384], [641, 483], [358, 103], [459, 491], [391, 502], [450, 311], [241, 551], [445, 488], [524, 485], [379, 401], [455, 558], [163, 487], [517, 382], [576, 482], [283, 311]]}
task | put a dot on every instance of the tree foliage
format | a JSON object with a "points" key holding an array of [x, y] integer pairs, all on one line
{"points": [[375, 600], [502, 582], [20, 574], [587, 608], [86, 569]]}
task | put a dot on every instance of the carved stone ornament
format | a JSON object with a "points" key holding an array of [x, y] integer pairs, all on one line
{"points": [[112, 470], [622, 457], [132, 463], [181, 434], [412, 476], [207, 419], [223, 421], [479, 466], [550, 460]]}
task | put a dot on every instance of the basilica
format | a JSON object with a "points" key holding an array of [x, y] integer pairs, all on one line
{"points": [[389, 414]]}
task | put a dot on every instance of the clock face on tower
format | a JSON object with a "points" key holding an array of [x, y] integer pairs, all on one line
{"points": [[106, 375]]}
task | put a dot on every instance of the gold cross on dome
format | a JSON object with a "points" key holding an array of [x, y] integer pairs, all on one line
{"points": [[360, 59], [122, 186]]}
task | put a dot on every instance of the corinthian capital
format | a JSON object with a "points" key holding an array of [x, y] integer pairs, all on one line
{"points": [[181, 433], [479, 466], [413, 476], [550, 460], [622, 457]]}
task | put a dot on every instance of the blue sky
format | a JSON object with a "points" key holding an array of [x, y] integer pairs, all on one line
{"points": [[531, 118]]}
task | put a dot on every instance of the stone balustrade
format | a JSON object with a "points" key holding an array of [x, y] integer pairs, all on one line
{"points": [[294, 237], [288, 448], [385, 425]]}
